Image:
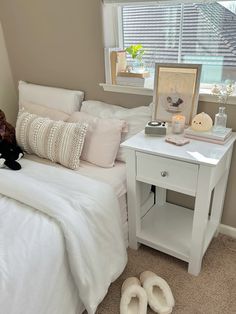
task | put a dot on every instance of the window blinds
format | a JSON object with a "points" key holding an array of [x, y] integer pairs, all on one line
{"points": [[192, 33], [157, 28], [157, 2], [129, 2]]}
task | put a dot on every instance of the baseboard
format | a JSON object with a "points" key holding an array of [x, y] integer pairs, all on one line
{"points": [[228, 230]]}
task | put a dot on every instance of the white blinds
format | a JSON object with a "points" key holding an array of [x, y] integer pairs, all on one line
{"points": [[192, 33], [148, 2], [128, 2], [157, 28]]}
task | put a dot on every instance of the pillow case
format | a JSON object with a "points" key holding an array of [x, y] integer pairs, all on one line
{"points": [[102, 138], [65, 100], [45, 112], [57, 141], [136, 118]]}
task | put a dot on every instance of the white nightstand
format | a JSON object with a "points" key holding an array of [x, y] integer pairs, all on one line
{"points": [[195, 169]]}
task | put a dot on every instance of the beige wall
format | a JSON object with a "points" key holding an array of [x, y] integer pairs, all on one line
{"points": [[60, 43], [8, 99]]}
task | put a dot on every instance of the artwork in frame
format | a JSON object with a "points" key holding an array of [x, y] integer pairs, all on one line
{"points": [[176, 91]]}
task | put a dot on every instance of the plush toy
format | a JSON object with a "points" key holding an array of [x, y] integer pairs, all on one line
{"points": [[10, 154], [202, 122], [7, 131]]}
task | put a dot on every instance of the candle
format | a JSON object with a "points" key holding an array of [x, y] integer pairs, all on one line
{"points": [[178, 123]]}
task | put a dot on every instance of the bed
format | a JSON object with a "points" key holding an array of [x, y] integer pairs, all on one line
{"points": [[115, 176], [52, 262], [36, 276]]}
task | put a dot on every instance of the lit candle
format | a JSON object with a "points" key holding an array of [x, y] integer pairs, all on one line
{"points": [[178, 123]]}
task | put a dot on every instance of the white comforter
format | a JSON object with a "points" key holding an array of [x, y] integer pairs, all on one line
{"points": [[87, 213]]}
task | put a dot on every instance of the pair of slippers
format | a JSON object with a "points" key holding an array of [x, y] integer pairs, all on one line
{"points": [[150, 289]]}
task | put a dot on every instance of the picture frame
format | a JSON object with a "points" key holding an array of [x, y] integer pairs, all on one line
{"points": [[176, 91]]}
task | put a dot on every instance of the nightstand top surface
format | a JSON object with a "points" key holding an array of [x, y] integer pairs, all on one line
{"points": [[197, 152]]}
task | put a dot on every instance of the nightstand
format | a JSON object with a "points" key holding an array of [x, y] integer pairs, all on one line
{"points": [[196, 169]]}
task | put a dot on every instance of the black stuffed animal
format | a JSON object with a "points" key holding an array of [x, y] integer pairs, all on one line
{"points": [[10, 154]]}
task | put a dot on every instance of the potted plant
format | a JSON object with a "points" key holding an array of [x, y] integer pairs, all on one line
{"points": [[136, 52]]}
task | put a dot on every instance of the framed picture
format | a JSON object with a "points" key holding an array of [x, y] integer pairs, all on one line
{"points": [[176, 91]]}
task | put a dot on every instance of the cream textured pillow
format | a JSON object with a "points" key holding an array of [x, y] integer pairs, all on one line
{"points": [[57, 141], [102, 139], [45, 112]]}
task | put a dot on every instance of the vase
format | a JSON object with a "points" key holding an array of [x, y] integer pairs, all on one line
{"points": [[220, 120], [138, 66]]}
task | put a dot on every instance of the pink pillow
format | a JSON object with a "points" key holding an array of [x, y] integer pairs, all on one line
{"points": [[45, 112], [102, 139]]}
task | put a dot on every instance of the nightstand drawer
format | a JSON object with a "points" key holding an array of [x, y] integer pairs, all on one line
{"points": [[168, 173]]}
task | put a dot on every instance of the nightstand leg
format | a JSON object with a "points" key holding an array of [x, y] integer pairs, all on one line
{"points": [[219, 196], [134, 201], [200, 220], [160, 196]]}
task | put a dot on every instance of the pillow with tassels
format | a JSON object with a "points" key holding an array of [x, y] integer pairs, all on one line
{"points": [[57, 141]]}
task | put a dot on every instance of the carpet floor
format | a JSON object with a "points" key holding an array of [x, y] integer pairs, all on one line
{"points": [[212, 292]]}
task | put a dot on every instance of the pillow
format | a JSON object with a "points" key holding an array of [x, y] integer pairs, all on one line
{"points": [[102, 139], [45, 112], [136, 118], [60, 99], [57, 141]]}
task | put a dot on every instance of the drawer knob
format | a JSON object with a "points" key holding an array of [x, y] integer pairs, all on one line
{"points": [[164, 174]]}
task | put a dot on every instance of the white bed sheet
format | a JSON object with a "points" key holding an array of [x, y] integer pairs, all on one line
{"points": [[115, 177], [60, 295], [46, 285]]}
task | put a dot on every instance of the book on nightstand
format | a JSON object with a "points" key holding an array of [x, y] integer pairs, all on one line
{"points": [[209, 136]]}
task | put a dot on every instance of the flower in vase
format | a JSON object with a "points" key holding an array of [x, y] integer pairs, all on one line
{"points": [[222, 92]]}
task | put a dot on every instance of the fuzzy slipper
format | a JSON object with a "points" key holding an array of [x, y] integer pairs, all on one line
{"points": [[160, 297], [133, 297]]}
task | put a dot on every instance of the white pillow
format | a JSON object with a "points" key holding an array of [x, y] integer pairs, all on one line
{"points": [[60, 99], [136, 118]]}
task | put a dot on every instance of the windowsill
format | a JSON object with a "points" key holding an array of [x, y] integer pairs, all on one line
{"points": [[205, 94]]}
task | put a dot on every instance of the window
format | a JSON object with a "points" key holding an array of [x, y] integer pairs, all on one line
{"points": [[185, 33]]}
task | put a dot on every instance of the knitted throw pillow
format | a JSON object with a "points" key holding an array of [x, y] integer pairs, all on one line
{"points": [[57, 141]]}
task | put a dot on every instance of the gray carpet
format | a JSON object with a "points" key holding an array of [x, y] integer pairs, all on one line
{"points": [[212, 292]]}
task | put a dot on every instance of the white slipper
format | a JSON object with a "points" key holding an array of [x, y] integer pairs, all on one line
{"points": [[133, 297], [160, 297]]}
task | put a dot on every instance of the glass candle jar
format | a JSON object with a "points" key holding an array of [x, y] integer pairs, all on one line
{"points": [[178, 123]]}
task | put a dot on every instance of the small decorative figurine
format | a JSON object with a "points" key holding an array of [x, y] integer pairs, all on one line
{"points": [[128, 68], [202, 122]]}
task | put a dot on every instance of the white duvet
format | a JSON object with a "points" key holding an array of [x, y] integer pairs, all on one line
{"points": [[56, 229]]}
